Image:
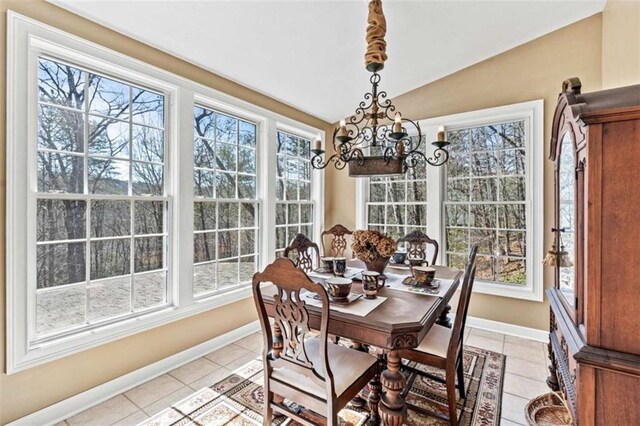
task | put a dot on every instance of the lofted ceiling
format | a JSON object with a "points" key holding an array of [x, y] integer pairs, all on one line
{"points": [[309, 53]]}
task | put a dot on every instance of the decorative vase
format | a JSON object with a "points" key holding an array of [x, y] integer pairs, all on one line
{"points": [[378, 265]]}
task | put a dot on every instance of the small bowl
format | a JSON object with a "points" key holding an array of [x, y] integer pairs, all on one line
{"points": [[400, 257], [424, 275], [339, 288], [416, 262], [327, 263]]}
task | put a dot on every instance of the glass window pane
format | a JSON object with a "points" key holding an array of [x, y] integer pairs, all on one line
{"points": [[110, 258], [227, 215], [457, 215], [246, 187], [292, 145], [60, 219], [485, 239], [248, 267], [60, 129], [247, 134], [458, 241], [50, 317], [281, 237], [109, 298], [205, 278], [149, 289], [60, 84], [204, 154], [108, 137], [292, 190], [149, 217], [203, 183], [417, 191], [281, 214], [60, 173], [228, 271], [377, 192], [293, 213], [226, 129], [148, 108], [247, 160], [108, 176], [376, 213], [281, 167], [59, 264], [225, 185], [484, 164], [110, 218], [149, 253], [482, 216], [485, 268], [417, 214], [108, 97], [512, 216], [484, 189], [512, 162], [204, 247], [248, 238], [458, 189], [512, 189], [148, 179], [204, 123], [204, 216], [279, 189], [306, 213], [227, 244], [148, 144], [512, 271], [248, 214], [512, 243], [305, 191], [226, 157]]}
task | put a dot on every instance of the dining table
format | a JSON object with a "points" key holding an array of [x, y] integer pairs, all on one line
{"points": [[400, 322]]}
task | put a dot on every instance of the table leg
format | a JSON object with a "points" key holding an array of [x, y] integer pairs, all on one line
{"points": [[278, 344], [392, 408], [374, 395], [443, 319], [358, 401]]}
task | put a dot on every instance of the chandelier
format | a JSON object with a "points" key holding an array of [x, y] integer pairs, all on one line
{"points": [[377, 140]]}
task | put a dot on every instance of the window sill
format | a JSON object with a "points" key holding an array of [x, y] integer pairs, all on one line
{"points": [[83, 340], [527, 292]]}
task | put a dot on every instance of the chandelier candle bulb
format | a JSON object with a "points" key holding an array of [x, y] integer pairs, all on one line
{"points": [[318, 144], [441, 134], [397, 125]]}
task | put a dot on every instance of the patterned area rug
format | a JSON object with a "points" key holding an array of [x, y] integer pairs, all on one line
{"points": [[237, 399]]}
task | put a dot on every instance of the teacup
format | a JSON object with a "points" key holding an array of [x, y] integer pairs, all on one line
{"points": [[424, 275], [371, 283], [416, 262], [339, 266], [327, 264], [339, 288], [400, 257]]}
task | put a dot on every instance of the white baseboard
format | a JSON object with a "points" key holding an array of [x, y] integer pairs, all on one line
{"points": [[510, 329], [70, 406]]}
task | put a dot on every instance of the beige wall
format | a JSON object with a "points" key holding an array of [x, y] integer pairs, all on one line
{"points": [[620, 43], [25, 392], [531, 71]]}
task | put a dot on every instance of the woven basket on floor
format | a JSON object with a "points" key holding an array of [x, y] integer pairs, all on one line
{"points": [[549, 409]]}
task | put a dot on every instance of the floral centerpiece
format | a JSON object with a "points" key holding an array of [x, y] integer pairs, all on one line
{"points": [[373, 248]]}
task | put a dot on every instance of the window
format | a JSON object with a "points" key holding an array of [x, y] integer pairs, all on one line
{"points": [[134, 197], [225, 208], [489, 193], [485, 194], [294, 205], [101, 204], [398, 205]]}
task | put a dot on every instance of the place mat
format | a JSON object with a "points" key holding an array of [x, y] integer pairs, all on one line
{"points": [[445, 285], [361, 307]]}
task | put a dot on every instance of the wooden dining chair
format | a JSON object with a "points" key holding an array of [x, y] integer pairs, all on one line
{"points": [[417, 245], [313, 373], [338, 242], [303, 248], [442, 348]]}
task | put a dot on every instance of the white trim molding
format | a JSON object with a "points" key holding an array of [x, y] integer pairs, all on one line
{"points": [[509, 329], [66, 408], [26, 40]]}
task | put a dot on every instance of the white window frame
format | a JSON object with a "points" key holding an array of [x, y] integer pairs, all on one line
{"points": [[532, 112], [26, 39]]}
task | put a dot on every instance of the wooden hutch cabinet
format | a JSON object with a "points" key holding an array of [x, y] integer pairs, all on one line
{"points": [[595, 303]]}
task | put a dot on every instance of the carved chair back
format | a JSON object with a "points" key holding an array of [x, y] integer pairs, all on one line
{"points": [[292, 317], [455, 344], [417, 242], [338, 242], [303, 248]]}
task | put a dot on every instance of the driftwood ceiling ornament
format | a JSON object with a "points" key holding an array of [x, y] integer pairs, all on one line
{"points": [[376, 140]]}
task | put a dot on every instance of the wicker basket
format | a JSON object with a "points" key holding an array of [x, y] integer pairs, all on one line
{"points": [[550, 409]]}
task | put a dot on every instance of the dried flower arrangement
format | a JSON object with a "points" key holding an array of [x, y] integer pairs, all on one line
{"points": [[371, 245]]}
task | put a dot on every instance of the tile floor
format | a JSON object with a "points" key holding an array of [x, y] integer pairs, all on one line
{"points": [[526, 371]]}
